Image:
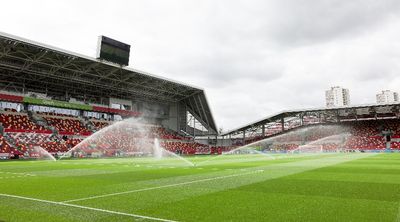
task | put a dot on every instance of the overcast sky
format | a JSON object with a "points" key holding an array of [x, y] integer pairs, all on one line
{"points": [[253, 58]]}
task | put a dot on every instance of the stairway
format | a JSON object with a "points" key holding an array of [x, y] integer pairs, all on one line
{"points": [[88, 124], [10, 140], [39, 120]]}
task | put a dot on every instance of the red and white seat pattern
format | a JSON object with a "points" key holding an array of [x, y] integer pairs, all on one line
{"points": [[18, 122], [4, 145], [67, 126]]}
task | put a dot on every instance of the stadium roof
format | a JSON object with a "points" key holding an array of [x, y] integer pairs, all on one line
{"points": [[43, 68], [289, 113]]}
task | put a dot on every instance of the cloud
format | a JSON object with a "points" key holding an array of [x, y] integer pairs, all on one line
{"points": [[254, 58], [313, 22]]}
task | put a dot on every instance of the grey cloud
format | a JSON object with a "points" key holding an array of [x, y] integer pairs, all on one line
{"points": [[289, 23], [311, 22]]}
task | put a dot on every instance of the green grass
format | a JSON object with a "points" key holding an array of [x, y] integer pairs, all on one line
{"points": [[334, 187]]}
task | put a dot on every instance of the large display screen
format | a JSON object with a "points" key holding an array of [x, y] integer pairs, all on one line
{"points": [[113, 51]]}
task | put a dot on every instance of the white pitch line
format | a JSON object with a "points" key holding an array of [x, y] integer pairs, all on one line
{"points": [[25, 174], [7, 175], [87, 208], [164, 186]]}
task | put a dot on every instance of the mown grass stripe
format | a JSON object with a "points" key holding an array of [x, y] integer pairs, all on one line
{"points": [[87, 208], [164, 186]]}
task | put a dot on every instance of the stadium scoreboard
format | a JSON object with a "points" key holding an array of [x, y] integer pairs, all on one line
{"points": [[113, 51]]}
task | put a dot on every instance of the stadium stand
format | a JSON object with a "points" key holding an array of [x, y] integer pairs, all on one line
{"points": [[187, 148], [67, 125], [360, 135], [23, 134], [14, 121]]}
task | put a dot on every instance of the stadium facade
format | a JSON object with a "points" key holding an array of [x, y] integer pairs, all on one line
{"points": [[288, 120], [35, 73]]}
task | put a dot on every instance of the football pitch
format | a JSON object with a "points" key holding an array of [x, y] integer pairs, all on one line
{"points": [[298, 187]]}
